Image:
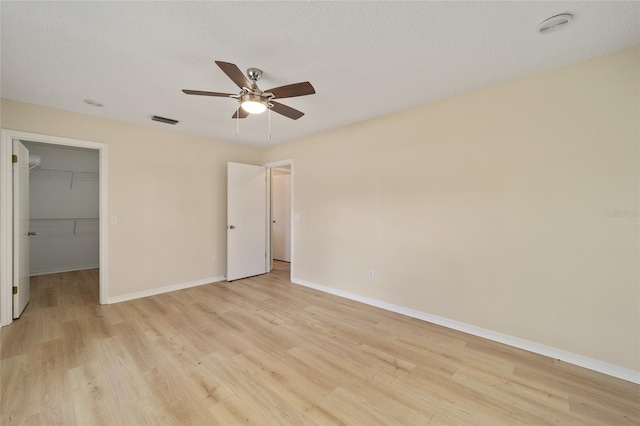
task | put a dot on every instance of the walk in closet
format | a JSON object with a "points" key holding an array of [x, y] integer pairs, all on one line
{"points": [[63, 208]]}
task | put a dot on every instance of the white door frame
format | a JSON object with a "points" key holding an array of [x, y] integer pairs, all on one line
{"points": [[283, 172], [6, 211], [272, 165]]}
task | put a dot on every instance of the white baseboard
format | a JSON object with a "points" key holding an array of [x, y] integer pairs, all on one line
{"points": [[165, 289], [571, 358], [66, 269]]}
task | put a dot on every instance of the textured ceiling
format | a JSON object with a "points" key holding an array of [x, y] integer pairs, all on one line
{"points": [[365, 59]]}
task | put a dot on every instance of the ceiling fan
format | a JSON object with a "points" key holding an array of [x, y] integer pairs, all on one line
{"points": [[253, 100]]}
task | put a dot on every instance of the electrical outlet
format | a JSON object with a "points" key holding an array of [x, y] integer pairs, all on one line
{"points": [[372, 274], [214, 258]]}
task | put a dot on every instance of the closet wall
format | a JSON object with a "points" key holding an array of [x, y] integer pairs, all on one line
{"points": [[63, 208]]}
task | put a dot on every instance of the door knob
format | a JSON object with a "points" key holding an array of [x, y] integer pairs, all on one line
{"points": [[232, 227], [30, 233]]}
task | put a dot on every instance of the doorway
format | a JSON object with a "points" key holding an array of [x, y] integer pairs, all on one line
{"points": [[6, 208], [281, 213], [63, 208], [250, 218], [280, 197]]}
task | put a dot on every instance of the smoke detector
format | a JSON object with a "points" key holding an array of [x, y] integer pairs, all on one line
{"points": [[554, 23]]}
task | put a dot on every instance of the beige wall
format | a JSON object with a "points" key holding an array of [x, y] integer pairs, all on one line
{"points": [[489, 208], [168, 191]]}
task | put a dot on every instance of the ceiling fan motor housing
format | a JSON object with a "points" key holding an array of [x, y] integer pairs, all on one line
{"points": [[247, 97]]}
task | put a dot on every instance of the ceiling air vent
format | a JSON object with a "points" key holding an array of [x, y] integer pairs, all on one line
{"points": [[164, 120], [554, 23]]}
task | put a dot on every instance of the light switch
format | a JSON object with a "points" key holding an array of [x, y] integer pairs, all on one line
{"points": [[296, 217], [114, 220]]}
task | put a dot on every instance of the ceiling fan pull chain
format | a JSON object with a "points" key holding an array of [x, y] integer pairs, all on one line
{"points": [[269, 123]]}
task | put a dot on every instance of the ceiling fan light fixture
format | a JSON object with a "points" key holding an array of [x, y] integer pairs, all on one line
{"points": [[253, 104]]}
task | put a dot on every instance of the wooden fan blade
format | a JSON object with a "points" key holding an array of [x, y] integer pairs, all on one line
{"points": [[203, 93], [292, 90], [233, 72], [287, 111], [240, 113]]}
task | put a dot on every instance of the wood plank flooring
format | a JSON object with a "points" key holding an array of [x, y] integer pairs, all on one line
{"points": [[265, 351]]}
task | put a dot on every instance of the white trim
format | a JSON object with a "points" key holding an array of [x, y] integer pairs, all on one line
{"points": [[165, 289], [61, 270], [276, 164], [268, 208], [6, 203], [571, 358], [282, 170], [279, 163], [6, 234], [104, 230]]}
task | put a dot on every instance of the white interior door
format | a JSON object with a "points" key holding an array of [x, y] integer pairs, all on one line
{"points": [[21, 278], [246, 220], [281, 219]]}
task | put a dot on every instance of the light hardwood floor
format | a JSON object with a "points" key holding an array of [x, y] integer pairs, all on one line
{"points": [[265, 351]]}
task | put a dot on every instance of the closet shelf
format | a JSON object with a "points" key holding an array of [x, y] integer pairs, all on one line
{"points": [[70, 175]]}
